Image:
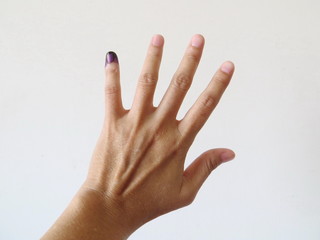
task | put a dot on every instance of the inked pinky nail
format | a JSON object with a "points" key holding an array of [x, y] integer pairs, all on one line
{"points": [[111, 57]]}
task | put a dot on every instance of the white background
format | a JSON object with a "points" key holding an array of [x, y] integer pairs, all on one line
{"points": [[51, 106]]}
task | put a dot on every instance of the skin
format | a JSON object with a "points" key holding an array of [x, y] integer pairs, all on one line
{"points": [[137, 170]]}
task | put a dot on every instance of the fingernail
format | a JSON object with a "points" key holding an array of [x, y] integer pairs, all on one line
{"points": [[111, 57], [227, 156], [196, 41], [157, 41], [227, 67]]}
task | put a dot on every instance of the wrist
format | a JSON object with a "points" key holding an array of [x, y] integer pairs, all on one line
{"points": [[106, 215], [90, 215]]}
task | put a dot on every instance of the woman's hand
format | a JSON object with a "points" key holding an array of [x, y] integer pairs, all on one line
{"points": [[137, 170]]}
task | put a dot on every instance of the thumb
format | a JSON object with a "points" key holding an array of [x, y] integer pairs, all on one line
{"points": [[199, 170]]}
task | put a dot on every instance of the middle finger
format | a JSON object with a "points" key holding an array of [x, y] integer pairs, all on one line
{"points": [[182, 79]]}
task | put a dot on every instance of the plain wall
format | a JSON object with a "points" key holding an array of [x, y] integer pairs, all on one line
{"points": [[51, 109]]}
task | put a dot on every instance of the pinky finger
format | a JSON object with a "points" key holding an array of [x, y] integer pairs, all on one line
{"points": [[112, 89], [199, 113]]}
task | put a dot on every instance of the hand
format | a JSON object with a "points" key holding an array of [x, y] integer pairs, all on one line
{"points": [[137, 170]]}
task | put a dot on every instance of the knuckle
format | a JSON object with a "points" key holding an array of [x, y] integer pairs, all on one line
{"points": [[222, 80], [188, 200], [210, 162], [158, 134], [110, 90], [148, 79], [182, 82], [154, 52], [194, 58], [210, 165], [112, 70], [208, 102]]}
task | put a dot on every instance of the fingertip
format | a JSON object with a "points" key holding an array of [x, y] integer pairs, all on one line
{"points": [[197, 41], [227, 156], [111, 57], [227, 67], [157, 40]]}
